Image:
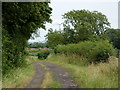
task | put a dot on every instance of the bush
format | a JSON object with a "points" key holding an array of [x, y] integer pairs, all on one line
{"points": [[43, 54], [93, 51]]}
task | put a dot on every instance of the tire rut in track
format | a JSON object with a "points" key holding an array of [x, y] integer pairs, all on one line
{"points": [[37, 79]]}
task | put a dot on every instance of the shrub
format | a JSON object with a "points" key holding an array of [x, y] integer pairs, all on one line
{"points": [[43, 54], [102, 51], [93, 51]]}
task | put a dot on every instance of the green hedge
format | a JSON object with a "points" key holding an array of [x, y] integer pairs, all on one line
{"points": [[43, 54], [12, 53], [93, 51]]}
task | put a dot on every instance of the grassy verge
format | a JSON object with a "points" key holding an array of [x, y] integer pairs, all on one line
{"points": [[48, 81], [19, 77], [102, 75]]}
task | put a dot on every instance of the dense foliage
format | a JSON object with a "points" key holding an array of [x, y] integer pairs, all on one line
{"points": [[24, 18], [11, 55], [43, 54], [20, 20], [92, 51]]}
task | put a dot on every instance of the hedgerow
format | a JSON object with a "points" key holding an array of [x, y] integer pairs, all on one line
{"points": [[12, 53], [93, 51]]}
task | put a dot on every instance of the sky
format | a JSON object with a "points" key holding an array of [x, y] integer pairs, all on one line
{"points": [[107, 7]]}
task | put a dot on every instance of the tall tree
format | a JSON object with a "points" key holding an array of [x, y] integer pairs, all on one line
{"points": [[80, 25], [20, 20]]}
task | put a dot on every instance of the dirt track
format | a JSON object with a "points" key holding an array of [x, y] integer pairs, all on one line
{"points": [[59, 73]]}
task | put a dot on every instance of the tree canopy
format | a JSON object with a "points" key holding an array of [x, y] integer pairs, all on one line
{"points": [[25, 18]]}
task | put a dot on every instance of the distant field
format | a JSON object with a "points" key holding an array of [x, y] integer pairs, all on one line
{"points": [[33, 51]]}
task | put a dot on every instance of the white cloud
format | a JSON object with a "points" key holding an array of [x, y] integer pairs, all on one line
{"points": [[84, 1], [57, 21]]}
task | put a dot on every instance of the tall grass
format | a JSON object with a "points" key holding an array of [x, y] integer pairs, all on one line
{"points": [[19, 77], [101, 75]]}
